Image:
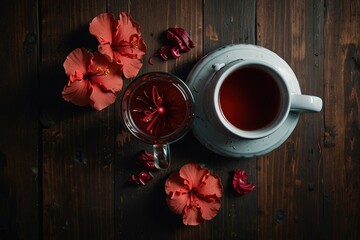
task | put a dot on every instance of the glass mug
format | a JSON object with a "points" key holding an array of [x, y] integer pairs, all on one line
{"points": [[158, 108], [252, 99]]}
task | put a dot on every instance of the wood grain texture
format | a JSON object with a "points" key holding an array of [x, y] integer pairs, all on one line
{"points": [[275, 191], [311, 189], [19, 121], [290, 199], [341, 137], [228, 22], [78, 143]]}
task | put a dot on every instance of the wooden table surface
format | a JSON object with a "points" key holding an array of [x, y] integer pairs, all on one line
{"points": [[64, 169]]}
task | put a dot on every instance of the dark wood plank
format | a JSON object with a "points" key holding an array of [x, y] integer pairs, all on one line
{"points": [[342, 115], [19, 135], [227, 22], [78, 142], [290, 178]]}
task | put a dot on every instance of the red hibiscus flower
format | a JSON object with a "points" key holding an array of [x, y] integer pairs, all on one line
{"points": [[92, 80], [239, 182], [195, 193], [120, 41]]}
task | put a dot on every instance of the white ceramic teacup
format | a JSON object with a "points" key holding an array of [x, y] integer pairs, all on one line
{"points": [[251, 99]]}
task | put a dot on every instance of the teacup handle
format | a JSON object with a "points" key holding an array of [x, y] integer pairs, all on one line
{"points": [[161, 155], [305, 103]]}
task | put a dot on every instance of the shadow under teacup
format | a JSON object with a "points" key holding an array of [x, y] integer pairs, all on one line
{"points": [[251, 99], [158, 108]]}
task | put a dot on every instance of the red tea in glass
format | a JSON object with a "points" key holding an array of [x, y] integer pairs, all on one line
{"points": [[158, 108], [250, 98]]}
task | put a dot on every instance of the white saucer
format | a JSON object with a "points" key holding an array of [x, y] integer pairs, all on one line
{"points": [[212, 138]]}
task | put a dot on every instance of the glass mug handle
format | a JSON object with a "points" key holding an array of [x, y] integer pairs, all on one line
{"points": [[161, 155]]}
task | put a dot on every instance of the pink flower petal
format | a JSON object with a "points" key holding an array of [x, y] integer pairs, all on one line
{"points": [[134, 47], [103, 27], [77, 92], [177, 202], [131, 67], [127, 27], [107, 51], [107, 75], [192, 216], [100, 99], [212, 186], [76, 63], [209, 207], [127, 40], [174, 184], [193, 174]]}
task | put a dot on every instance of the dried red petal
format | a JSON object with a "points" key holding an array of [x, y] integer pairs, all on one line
{"points": [[181, 38], [186, 43], [164, 52], [142, 178], [146, 159], [150, 61], [172, 36], [178, 41], [175, 52], [239, 182]]}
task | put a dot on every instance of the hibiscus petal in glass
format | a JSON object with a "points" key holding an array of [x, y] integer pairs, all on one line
{"points": [[158, 108]]}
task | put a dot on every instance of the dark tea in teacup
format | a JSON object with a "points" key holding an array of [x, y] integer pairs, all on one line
{"points": [[250, 98]]}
